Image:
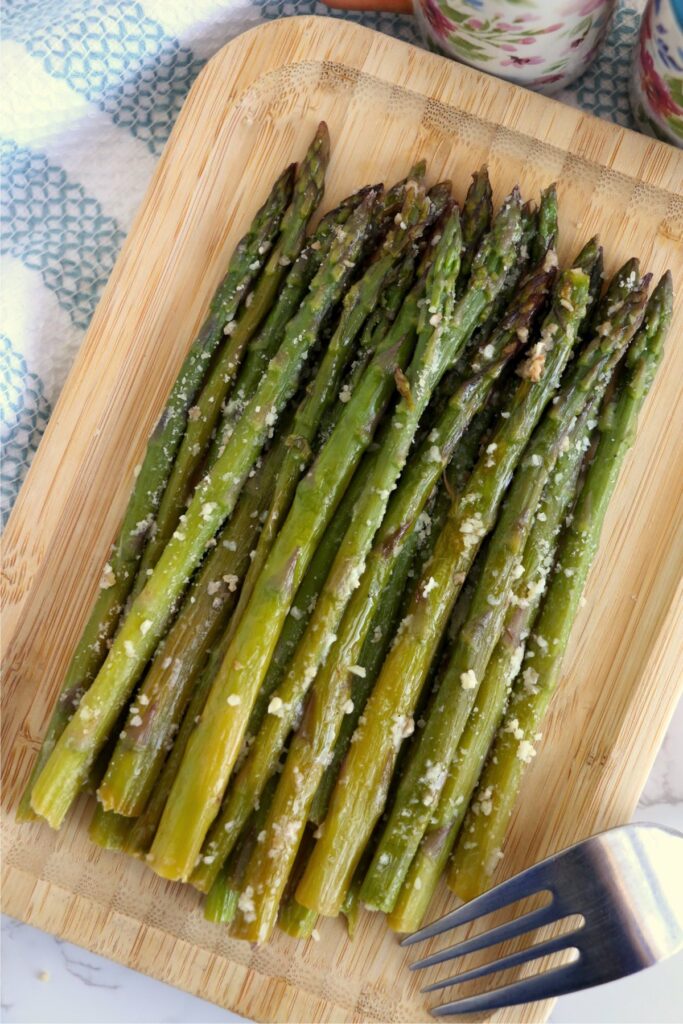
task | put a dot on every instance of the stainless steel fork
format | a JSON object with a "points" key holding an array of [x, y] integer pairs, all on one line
{"points": [[626, 883]]}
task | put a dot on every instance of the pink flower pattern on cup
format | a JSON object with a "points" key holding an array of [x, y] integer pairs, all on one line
{"points": [[657, 78], [543, 44]]}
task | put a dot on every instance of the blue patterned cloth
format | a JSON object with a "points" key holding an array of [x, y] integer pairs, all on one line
{"points": [[91, 89]]}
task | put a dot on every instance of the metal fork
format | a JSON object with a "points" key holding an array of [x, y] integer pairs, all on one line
{"points": [[627, 883]]}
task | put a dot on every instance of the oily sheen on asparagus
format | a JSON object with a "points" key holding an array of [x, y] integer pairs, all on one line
{"points": [[335, 614]]}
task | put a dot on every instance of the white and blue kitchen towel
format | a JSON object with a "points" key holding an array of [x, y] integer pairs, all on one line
{"points": [[90, 91]]}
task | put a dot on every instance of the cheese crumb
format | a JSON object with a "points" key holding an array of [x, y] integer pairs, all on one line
{"points": [[108, 578], [468, 680], [246, 904], [348, 707], [276, 707], [526, 751], [357, 670], [429, 586], [234, 700], [129, 648], [145, 626]]}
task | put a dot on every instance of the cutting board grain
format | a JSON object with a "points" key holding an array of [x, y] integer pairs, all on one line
{"points": [[253, 107]]}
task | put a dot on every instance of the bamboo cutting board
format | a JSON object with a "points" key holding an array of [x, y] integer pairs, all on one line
{"points": [[252, 109]]}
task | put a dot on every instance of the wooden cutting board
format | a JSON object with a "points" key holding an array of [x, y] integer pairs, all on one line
{"points": [[253, 109]]}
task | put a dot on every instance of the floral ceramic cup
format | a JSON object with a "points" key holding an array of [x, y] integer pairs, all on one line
{"points": [[543, 44], [657, 79]]}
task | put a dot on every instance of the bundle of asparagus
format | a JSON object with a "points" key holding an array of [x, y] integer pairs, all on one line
{"points": [[330, 628]]}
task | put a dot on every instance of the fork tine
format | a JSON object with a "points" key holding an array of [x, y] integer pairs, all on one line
{"points": [[509, 930], [526, 883], [565, 979], [522, 956]]}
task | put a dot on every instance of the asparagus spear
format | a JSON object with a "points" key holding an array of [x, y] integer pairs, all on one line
{"points": [[382, 628], [264, 346], [203, 417], [477, 212], [109, 830], [145, 826], [247, 784], [119, 572], [424, 777], [430, 860], [221, 903], [213, 502], [382, 571], [139, 755], [358, 303], [478, 851], [160, 702], [360, 793], [200, 783], [294, 919], [444, 331], [546, 229]]}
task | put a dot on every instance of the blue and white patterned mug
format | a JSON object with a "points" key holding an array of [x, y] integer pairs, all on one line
{"points": [[542, 44], [657, 77]]}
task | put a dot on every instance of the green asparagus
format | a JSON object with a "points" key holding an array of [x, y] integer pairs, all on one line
{"points": [[478, 851], [160, 702], [201, 781], [215, 497], [119, 572], [360, 793], [263, 347], [358, 303], [204, 415], [253, 774], [424, 777], [430, 860], [444, 330]]}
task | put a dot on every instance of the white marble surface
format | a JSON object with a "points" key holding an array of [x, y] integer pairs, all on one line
{"points": [[45, 981]]}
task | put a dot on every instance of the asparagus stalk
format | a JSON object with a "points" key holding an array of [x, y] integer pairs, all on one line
{"points": [[444, 331], [478, 852], [431, 858], [199, 786], [109, 830], [383, 572], [139, 755], [160, 703], [423, 779], [251, 777], [264, 346], [203, 417], [294, 919], [477, 212], [360, 793], [213, 502], [145, 826], [382, 628], [357, 305], [119, 572], [221, 903]]}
